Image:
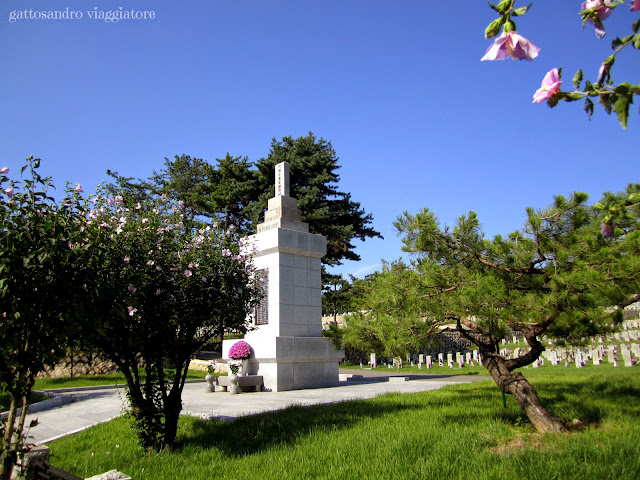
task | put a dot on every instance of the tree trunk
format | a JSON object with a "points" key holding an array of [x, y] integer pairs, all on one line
{"points": [[172, 409], [515, 384]]}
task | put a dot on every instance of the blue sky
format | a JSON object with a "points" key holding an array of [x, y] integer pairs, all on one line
{"points": [[397, 86]]}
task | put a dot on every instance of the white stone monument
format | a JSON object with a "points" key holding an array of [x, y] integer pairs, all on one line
{"points": [[288, 348]]}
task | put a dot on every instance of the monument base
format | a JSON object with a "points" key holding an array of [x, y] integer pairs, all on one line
{"points": [[293, 363]]}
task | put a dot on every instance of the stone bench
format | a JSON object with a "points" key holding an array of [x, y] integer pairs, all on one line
{"points": [[245, 382]]}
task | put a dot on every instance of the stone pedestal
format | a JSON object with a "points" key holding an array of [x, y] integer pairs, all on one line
{"points": [[289, 350]]}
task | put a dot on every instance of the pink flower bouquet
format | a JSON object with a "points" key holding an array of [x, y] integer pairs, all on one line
{"points": [[240, 350]]}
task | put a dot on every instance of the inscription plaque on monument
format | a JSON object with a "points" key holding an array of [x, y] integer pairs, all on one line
{"points": [[262, 311]]}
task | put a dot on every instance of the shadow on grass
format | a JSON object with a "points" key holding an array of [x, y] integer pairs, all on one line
{"points": [[249, 435], [590, 400]]}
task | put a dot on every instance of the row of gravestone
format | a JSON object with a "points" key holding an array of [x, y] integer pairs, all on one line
{"points": [[427, 361], [580, 356], [629, 332]]}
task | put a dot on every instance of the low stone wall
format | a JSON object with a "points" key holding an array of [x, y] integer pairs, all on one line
{"points": [[79, 364]]}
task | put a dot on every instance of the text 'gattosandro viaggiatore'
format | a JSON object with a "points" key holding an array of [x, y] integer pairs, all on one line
{"points": [[107, 16]]}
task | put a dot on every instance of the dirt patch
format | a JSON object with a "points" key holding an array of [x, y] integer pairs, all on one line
{"points": [[522, 441]]}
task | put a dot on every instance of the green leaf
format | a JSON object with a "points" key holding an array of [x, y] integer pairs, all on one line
{"points": [[636, 42], [605, 101], [636, 26], [521, 11], [577, 78], [621, 107], [588, 107], [599, 206], [553, 101]]}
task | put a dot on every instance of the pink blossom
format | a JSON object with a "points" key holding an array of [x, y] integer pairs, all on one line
{"points": [[118, 199], [131, 288], [9, 191], [511, 45], [150, 262], [126, 259], [550, 86], [138, 206], [600, 6], [78, 188], [634, 7], [4, 170], [187, 273], [158, 292], [132, 311], [607, 230], [111, 201], [204, 279]]}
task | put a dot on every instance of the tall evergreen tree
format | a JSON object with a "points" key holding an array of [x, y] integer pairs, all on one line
{"points": [[314, 182]]}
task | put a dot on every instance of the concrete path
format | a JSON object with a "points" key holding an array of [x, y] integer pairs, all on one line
{"points": [[76, 410]]}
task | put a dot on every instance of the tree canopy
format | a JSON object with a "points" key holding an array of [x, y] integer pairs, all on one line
{"points": [[235, 191]]}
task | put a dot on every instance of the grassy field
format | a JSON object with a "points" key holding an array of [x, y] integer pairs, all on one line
{"points": [[95, 380], [435, 370], [458, 432]]}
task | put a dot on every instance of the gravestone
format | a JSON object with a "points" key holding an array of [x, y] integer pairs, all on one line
{"points": [[289, 350], [554, 358], [626, 356], [440, 359], [449, 359], [610, 353], [373, 360], [597, 357], [467, 357], [578, 359], [474, 354], [428, 361]]}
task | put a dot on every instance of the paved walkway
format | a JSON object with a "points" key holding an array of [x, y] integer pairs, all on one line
{"points": [[83, 408]]}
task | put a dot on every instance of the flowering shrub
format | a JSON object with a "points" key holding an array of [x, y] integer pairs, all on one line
{"points": [[240, 350], [40, 271], [164, 285]]}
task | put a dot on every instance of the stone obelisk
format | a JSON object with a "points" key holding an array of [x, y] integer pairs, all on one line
{"points": [[289, 350]]}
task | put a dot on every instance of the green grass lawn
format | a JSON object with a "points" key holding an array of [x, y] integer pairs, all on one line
{"points": [[435, 370], [80, 381], [95, 380], [5, 401], [458, 432]]}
